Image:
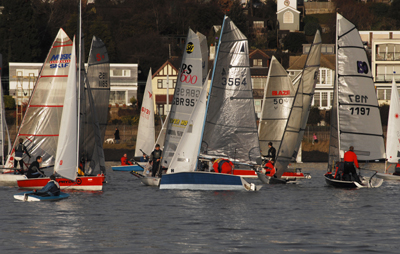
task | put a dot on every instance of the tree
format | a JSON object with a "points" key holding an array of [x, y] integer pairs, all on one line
{"points": [[236, 14], [294, 42], [311, 28], [314, 117]]}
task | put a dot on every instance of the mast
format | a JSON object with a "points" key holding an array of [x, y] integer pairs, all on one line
{"points": [[337, 87], [79, 77]]}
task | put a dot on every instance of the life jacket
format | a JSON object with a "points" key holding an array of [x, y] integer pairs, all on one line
{"points": [[270, 169], [19, 150], [219, 166]]}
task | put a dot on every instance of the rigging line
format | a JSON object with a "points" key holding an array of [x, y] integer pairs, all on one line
{"points": [[354, 104], [351, 47], [361, 76], [340, 36], [360, 133], [224, 125]]}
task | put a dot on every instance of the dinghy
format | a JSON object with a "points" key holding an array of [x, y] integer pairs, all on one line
{"points": [[393, 136], [225, 128], [92, 151], [289, 140], [40, 125], [31, 196], [355, 117]]}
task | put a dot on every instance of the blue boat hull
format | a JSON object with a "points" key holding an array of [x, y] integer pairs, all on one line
{"points": [[30, 196], [127, 168], [203, 181]]}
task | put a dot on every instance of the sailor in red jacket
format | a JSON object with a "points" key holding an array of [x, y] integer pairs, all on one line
{"points": [[223, 166], [350, 162], [125, 161], [269, 169]]}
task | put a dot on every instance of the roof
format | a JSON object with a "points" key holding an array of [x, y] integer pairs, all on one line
{"points": [[258, 52], [298, 62], [288, 7], [173, 62]]}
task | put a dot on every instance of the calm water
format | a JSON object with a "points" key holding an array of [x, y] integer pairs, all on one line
{"points": [[128, 217]]}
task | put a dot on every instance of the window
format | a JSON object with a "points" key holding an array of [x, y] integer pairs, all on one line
{"points": [[117, 97], [317, 99], [323, 76], [257, 106], [288, 17], [162, 83], [258, 24], [381, 94], [120, 73], [257, 62], [324, 99], [259, 83]]}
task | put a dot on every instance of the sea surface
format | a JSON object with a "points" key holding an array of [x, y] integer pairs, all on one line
{"points": [[127, 217]]}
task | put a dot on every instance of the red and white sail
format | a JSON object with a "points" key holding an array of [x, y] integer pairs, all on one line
{"points": [[41, 123]]}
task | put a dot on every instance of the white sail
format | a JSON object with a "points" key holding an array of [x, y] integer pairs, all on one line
{"points": [[185, 157], [41, 123], [277, 103], [146, 132], [359, 119], [187, 91], [393, 133], [161, 136], [66, 157], [230, 129], [204, 56]]}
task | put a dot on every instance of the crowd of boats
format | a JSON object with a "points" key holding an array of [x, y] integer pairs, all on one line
{"points": [[67, 114]]}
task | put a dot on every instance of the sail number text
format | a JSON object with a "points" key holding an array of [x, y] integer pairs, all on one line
{"points": [[232, 81], [359, 99], [190, 94], [103, 80], [177, 122]]}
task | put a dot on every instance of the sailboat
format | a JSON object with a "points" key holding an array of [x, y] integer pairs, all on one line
{"points": [[145, 138], [187, 91], [393, 134], [66, 157], [355, 117], [229, 127], [91, 148], [297, 119], [39, 133]]}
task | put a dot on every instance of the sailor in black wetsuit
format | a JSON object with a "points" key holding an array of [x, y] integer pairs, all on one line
{"points": [[34, 169], [19, 152], [155, 157], [271, 153]]}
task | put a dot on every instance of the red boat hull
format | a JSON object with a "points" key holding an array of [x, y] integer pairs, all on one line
{"points": [[245, 173], [293, 175], [94, 183]]}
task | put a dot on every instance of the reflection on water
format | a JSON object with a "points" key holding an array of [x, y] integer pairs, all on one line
{"points": [[128, 217]]}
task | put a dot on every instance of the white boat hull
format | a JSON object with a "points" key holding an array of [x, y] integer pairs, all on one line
{"points": [[150, 181], [11, 179], [388, 176]]}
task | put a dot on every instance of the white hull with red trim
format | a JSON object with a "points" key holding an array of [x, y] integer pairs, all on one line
{"points": [[93, 183]]}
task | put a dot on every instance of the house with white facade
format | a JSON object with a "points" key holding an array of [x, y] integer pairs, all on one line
{"points": [[323, 95], [123, 81]]}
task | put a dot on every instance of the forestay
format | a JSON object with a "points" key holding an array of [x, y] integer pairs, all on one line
{"points": [[146, 133], [41, 123], [186, 154], [277, 103], [187, 91], [66, 157], [393, 133], [358, 114], [298, 116], [230, 129]]}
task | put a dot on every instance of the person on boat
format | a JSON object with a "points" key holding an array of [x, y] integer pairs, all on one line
{"points": [[350, 163], [223, 166], [155, 157], [20, 149], [125, 161], [397, 169], [116, 136], [269, 169], [34, 169], [52, 188], [271, 153], [144, 158], [81, 167]]}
